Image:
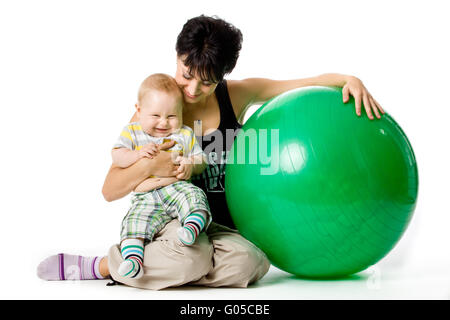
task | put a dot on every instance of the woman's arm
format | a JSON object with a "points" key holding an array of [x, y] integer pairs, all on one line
{"points": [[121, 181], [124, 157], [244, 93], [153, 183]]}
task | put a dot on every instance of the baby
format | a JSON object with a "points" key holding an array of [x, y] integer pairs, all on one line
{"points": [[159, 112]]}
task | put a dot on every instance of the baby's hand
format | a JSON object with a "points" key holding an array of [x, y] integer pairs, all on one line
{"points": [[184, 172], [149, 151]]}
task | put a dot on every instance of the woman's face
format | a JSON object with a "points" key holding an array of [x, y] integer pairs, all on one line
{"points": [[194, 89]]}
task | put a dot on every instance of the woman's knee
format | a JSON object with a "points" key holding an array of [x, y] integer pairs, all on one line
{"points": [[254, 264], [242, 260]]}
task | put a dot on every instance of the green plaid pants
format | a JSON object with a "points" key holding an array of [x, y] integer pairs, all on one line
{"points": [[151, 211]]}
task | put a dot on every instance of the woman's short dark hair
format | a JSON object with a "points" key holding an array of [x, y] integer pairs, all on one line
{"points": [[210, 45]]}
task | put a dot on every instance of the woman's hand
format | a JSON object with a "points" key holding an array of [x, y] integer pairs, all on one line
{"points": [[355, 87], [164, 164]]}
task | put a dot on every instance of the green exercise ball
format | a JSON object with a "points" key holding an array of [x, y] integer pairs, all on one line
{"points": [[323, 192]]}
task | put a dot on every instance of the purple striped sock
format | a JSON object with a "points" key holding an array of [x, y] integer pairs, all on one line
{"points": [[69, 267]]}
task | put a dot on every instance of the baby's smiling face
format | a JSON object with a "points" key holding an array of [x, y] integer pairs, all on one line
{"points": [[160, 113]]}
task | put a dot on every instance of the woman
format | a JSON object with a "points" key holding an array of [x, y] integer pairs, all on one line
{"points": [[207, 49]]}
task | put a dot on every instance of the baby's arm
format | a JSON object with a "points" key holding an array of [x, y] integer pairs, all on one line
{"points": [[124, 157]]}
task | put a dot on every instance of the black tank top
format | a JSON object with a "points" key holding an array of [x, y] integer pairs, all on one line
{"points": [[216, 146]]}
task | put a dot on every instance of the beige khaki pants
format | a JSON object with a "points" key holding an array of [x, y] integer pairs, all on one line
{"points": [[219, 258]]}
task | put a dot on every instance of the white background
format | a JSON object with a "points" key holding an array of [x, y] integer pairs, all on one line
{"points": [[69, 73]]}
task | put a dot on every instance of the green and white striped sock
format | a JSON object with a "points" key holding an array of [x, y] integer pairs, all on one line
{"points": [[133, 255], [192, 226]]}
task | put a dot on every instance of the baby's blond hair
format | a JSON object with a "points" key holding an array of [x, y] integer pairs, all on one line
{"points": [[159, 82]]}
